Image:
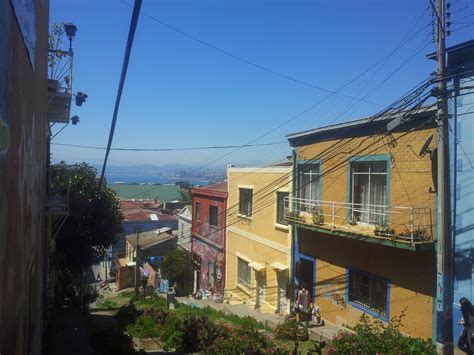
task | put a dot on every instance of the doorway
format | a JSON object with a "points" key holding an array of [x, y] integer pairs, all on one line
{"points": [[307, 274]]}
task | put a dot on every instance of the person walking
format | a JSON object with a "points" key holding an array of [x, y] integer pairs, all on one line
{"points": [[465, 342]]}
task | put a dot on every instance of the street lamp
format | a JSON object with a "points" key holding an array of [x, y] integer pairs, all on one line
{"points": [[71, 30]]}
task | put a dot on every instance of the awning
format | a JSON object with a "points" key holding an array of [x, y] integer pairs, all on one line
{"points": [[279, 266], [257, 266]]}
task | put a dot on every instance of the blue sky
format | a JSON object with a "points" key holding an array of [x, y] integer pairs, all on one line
{"points": [[179, 93]]}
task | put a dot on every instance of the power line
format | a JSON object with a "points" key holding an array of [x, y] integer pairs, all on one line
{"points": [[172, 149], [126, 59], [248, 62]]}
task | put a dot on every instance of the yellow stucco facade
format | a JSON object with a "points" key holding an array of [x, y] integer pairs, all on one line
{"points": [[356, 270], [258, 248]]}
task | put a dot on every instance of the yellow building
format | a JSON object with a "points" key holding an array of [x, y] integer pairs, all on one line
{"points": [[258, 245], [363, 219]]}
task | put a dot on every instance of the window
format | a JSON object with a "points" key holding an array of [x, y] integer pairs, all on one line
{"points": [[243, 273], [309, 180], [213, 216], [368, 292], [245, 202], [369, 191], [282, 205], [198, 211]]}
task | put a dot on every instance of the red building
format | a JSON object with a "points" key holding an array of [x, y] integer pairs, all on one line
{"points": [[208, 238]]}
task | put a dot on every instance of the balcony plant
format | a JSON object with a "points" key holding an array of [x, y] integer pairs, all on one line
{"points": [[352, 220], [383, 229], [419, 234], [318, 217], [293, 216]]}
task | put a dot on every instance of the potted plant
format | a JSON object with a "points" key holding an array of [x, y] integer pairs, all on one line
{"points": [[383, 230], [420, 234], [352, 220], [318, 217]]}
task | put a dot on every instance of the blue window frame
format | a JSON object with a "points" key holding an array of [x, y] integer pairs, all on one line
{"points": [[369, 293]]}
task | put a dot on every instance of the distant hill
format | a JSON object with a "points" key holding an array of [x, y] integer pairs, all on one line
{"points": [[164, 193]]}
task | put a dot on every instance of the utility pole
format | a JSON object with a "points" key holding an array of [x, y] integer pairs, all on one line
{"points": [[444, 260], [137, 270]]}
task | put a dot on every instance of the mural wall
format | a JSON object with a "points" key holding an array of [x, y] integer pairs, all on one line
{"points": [[23, 154]]}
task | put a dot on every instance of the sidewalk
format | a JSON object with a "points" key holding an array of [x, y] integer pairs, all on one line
{"points": [[71, 335]]}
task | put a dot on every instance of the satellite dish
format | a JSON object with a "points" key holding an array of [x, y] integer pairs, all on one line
{"points": [[426, 146]]}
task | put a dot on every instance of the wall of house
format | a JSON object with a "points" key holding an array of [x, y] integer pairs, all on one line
{"points": [[210, 255], [411, 276], [184, 233], [462, 178], [259, 238], [23, 154], [209, 241], [411, 273]]}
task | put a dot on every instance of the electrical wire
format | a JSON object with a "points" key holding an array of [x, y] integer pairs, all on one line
{"points": [[172, 149], [126, 59], [248, 62]]}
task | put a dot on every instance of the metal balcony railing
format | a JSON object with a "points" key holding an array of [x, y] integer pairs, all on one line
{"points": [[397, 223]]}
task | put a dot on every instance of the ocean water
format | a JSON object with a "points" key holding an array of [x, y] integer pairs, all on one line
{"points": [[149, 179]]}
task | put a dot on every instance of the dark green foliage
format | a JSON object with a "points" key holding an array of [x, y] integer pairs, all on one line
{"points": [[177, 267], [376, 337], [213, 315], [112, 341], [95, 219], [286, 330], [127, 314]]}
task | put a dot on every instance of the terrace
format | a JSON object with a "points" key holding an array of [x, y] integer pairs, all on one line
{"points": [[399, 225]]}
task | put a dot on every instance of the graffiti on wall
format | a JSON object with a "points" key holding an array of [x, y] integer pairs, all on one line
{"points": [[26, 17], [212, 267]]}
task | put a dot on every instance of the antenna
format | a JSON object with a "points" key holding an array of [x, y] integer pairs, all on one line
{"points": [[426, 147]]}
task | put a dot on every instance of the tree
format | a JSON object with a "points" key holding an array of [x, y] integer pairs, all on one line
{"points": [[177, 266], [95, 219]]}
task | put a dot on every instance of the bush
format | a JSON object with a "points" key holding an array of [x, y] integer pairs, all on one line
{"points": [[214, 315], [127, 314], [112, 341], [286, 330], [149, 324], [375, 337]]}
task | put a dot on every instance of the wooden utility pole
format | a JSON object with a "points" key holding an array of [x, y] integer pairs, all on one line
{"points": [[445, 244], [137, 270]]}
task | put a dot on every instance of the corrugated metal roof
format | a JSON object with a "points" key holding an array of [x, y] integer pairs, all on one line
{"points": [[343, 128], [164, 193], [149, 239]]}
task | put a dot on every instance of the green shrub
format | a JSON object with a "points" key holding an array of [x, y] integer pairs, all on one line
{"points": [[112, 341], [376, 337], [286, 330], [127, 314], [149, 324]]}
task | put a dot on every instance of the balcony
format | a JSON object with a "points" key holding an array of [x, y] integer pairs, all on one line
{"points": [[397, 225], [59, 102]]}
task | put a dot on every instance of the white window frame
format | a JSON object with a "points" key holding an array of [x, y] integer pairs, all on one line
{"points": [[369, 173]]}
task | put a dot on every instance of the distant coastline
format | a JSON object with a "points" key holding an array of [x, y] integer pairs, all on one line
{"points": [[150, 179]]}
